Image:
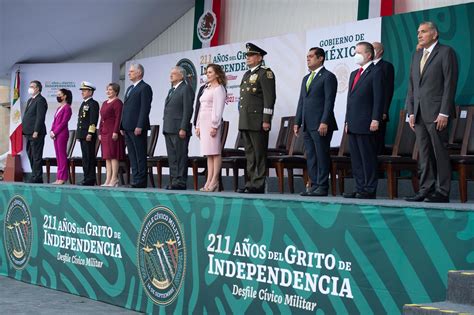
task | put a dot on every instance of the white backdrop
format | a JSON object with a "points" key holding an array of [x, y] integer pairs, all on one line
{"points": [[339, 43], [286, 57], [54, 77]]}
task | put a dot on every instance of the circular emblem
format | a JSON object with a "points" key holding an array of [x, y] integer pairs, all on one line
{"points": [[18, 233], [191, 76], [342, 73], [206, 26], [161, 254]]}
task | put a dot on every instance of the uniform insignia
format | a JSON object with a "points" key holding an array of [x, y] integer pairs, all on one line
{"points": [[248, 89], [86, 107], [254, 90], [91, 129], [253, 78], [269, 74], [245, 82]]}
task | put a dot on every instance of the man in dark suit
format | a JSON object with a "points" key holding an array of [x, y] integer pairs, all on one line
{"points": [[430, 106], [257, 99], [388, 73], [315, 113], [86, 132], [363, 115], [198, 103], [136, 122], [34, 130], [177, 127]]}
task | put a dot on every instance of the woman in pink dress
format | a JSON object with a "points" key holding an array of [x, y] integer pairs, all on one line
{"points": [[209, 123], [60, 133], [112, 142]]}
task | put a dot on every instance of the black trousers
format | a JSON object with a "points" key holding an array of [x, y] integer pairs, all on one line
{"points": [[177, 149], [363, 148], [318, 157], [136, 147], [89, 160], [256, 146], [34, 149]]}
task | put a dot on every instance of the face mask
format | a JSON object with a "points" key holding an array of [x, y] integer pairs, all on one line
{"points": [[31, 91], [358, 59], [59, 99], [204, 79]]}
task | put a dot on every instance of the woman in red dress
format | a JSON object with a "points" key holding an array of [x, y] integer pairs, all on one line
{"points": [[112, 142]]}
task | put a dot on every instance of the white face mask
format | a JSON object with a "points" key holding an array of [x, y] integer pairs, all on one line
{"points": [[358, 59], [203, 79], [31, 91]]}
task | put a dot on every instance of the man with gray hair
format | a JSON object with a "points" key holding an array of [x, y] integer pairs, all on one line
{"points": [[136, 122], [177, 127], [430, 106]]}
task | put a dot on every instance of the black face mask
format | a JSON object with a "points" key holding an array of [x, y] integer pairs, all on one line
{"points": [[59, 99]]}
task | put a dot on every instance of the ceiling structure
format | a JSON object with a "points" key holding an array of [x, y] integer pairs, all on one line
{"points": [[50, 31]]}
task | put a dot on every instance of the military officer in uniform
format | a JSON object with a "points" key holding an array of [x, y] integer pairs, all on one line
{"points": [[257, 98], [86, 132]]}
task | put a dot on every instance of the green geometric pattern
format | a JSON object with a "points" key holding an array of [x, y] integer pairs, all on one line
{"points": [[398, 255], [399, 36]]}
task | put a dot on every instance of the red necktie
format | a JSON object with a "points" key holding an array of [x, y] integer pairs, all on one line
{"points": [[357, 77]]}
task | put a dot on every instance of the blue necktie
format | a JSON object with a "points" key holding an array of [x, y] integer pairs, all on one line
{"points": [[130, 88]]}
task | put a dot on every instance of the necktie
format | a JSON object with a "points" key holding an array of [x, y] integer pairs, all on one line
{"points": [[310, 79], [171, 91], [423, 60], [129, 90], [357, 77]]}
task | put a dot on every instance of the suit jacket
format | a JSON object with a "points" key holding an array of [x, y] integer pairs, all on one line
{"points": [[257, 98], [60, 122], [388, 73], [198, 103], [136, 108], [433, 91], [178, 110], [87, 118], [34, 116], [365, 101], [316, 105]]}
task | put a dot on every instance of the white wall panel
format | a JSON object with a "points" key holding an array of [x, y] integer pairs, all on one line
{"points": [[250, 19]]}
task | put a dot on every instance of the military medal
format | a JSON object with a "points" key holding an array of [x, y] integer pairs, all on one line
{"points": [[253, 78]]}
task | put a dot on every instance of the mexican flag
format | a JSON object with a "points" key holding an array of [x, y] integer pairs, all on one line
{"points": [[207, 15], [369, 9], [16, 129]]}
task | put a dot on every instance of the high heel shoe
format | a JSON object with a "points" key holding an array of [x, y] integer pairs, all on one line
{"points": [[104, 185], [204, 189], [214, 188], [114, 184]]}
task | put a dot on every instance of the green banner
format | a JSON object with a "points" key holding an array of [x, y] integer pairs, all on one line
{"points": [[399, 36], [186, 253]]}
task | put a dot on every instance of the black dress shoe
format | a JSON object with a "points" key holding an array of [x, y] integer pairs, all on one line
{"points": [[349, 195], [138, 185], [244, 190], [437, 197], [177, 187], [87, 183], [308, 191], [365, 195], [318, 193], [416, 198], [253, 190]]}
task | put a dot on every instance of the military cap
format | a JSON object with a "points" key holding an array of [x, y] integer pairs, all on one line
{"points": [[254, 49], [87, 86]]}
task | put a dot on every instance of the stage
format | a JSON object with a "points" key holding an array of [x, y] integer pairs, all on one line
{"points": [[186, 251]]}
